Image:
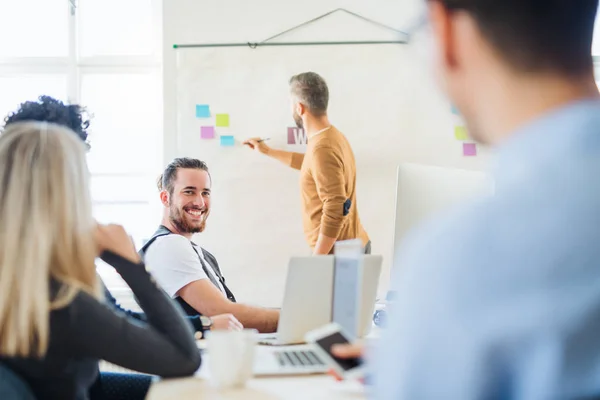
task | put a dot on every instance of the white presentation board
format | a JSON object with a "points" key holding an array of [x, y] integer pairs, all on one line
{"points": [[387, 107]]}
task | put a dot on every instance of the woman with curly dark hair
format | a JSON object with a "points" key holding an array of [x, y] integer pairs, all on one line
{"points": [[49, 109]]}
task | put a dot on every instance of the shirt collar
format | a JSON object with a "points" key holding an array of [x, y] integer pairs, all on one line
{"points": [[319, 132]]}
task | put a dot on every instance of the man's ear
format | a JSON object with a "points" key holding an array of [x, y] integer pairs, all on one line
{"points": [[300, 109], [164, 198], [444, 32]]}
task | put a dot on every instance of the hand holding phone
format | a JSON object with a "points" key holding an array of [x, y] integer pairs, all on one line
{"points": [[346, 366], [348, 350]]}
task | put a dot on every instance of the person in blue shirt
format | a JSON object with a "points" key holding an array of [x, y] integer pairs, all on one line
{"points": [[500, 298]]}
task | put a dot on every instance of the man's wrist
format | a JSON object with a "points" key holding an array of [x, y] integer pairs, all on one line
{"points": [[207, 322]]}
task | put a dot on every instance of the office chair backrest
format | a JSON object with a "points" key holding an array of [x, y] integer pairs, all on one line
{"points": [[12, 386]]}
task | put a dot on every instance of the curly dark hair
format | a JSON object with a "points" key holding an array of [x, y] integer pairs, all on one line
{"points": [[49, 109]]}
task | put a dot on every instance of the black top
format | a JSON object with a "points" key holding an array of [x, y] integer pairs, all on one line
{"points": [[87, 330]]}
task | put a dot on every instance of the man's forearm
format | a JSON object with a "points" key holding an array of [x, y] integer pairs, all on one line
{"points": [[289, 158], [205, 298], [265, 320], [324, 245]]}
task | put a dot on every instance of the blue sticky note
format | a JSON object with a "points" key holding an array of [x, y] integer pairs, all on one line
{"points": [[455, 110], [227, 141], [202, 111]]}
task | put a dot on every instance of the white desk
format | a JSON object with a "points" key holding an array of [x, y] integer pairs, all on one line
{"points": [[315, 387], [301, 387]]}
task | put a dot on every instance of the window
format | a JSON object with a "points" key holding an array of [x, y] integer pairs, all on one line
{"points": [[19, 87], [132, 28], [43, 33], [104, 55]]}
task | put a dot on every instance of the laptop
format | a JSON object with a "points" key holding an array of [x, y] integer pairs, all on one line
{"points": [[307, 305], [288, 360], [268, 361], [308, 298], [306, 302]]}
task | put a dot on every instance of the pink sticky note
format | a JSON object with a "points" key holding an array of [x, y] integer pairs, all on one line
{"points": [[207, 132], [296, 136], [469, 149]]}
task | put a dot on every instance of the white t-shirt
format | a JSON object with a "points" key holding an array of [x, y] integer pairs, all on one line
{"points": [[174, 263]]}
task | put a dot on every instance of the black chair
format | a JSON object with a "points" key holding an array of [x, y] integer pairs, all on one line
{"points": [[120, 386], [12, 386]]}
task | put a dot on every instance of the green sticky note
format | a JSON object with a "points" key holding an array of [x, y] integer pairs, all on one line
{"points": [[223, 120], [460, 133]]}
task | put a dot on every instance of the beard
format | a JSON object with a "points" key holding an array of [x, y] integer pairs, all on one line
{"points": [[180, 220], [298, 121]]}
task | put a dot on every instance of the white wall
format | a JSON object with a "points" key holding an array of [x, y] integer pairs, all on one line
{"points": [[425, 111]]}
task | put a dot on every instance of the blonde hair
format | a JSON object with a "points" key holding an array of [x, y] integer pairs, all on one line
{"points": [[47, 248]]}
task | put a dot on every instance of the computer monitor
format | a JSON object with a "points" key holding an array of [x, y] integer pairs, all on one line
{"points": [[423, 190]]}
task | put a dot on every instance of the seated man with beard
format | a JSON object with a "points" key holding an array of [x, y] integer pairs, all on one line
{"points": [[186, 271]]}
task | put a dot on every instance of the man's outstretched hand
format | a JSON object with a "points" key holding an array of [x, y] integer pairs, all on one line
{"points": [[257, 144]]}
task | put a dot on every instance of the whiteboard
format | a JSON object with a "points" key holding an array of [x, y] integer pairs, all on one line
{"points": [[387, 107]]}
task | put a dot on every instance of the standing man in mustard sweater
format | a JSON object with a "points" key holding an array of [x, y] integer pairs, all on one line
{"points": [[327, 170]]}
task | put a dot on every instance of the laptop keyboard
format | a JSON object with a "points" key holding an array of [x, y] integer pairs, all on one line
{"points": [[298, 358]]}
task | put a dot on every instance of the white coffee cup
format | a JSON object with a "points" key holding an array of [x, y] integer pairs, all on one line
{"points": [[231, 357]]}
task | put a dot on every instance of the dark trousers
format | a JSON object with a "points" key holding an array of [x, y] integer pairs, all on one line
{"points": [[120, 386]]}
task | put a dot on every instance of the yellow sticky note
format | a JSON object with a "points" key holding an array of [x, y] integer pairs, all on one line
{"points": [[460, 133], [223, 120]]}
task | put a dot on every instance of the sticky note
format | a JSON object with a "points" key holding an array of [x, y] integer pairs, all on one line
{"points": [[202, 111], [227, 141], [469, 149], [296, 136], [454, 110], [460, 133], [207, 132], [223, 120], [292, 135]]}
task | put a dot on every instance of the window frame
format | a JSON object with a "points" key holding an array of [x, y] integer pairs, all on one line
{"points": [[74, 66]]}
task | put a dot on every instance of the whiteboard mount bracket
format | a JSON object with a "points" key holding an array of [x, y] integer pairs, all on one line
{"points": [[403, 37]]}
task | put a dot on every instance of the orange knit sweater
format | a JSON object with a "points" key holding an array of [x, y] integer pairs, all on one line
{"points": [[327, 180]]}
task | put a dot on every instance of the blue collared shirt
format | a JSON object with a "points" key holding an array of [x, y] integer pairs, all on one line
{"points": [[500, 298]]}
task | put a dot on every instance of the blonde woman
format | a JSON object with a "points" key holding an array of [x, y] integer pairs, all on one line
{"points": [[54, 326]]}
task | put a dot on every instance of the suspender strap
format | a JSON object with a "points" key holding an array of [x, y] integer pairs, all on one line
{"points": [[164, 231]]}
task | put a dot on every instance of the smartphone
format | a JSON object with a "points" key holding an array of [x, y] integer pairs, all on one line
{"points": [[323, 340]]}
